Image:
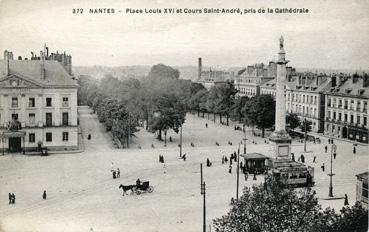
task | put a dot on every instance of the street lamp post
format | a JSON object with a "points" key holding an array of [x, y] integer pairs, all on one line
{"points": [[204, 200], [238, 170], [180, 142], [333, 149], [244, 141], [305, 134]]}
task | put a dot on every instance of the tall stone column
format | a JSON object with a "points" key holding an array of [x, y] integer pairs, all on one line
{"points": [[280, 137]]}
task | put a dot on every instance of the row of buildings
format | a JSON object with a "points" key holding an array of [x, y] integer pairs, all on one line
{"points": [[38, 102], [336, 104]]}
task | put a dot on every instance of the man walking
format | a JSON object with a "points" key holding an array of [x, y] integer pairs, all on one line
{"points": [[44, 196], [10, 198], [346, 200], [118, 173], [13, 198]]}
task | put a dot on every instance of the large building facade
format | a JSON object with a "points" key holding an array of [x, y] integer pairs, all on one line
{"points": [[38, 103], [346, 107], [304, 97], [250, 79]]}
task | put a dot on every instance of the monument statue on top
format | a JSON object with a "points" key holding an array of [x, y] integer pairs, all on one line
{"points": [[281, 40], [280, 137]]}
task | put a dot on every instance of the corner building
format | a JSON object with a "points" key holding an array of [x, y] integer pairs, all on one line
{"points": [[39, 95], [346, 108]]}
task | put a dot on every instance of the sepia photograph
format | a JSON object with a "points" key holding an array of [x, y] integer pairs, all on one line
{"points": [[184, 116]]}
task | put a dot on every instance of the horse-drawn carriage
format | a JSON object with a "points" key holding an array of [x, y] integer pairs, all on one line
{"points": [[138, 189], [144, 187]]}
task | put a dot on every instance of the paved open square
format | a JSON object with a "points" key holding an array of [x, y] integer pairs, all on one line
{"points": [[83, 196]]}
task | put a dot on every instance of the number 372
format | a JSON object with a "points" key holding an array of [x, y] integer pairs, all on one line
{"points": [[77, 11]]}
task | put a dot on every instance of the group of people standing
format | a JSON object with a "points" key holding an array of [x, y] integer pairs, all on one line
{"points": [[12, 197], [116, 173]]}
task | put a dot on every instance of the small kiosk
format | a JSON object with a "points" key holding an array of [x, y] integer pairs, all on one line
{"points": [[256, 163]]}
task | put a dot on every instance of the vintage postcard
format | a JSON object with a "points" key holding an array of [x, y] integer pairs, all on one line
{"points": [[159, 115]]}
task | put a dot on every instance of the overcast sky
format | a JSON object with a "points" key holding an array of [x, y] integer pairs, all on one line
{"points": [[335, 34]]}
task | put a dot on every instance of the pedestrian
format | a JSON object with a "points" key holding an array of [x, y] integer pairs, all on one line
{"points": [[246, 176], [170, 139], [323, 167], [114, 174], [325, 148], [346, 200], [223, 159], [10, 198], [183, 157], [354, 150], [230, 160], [334, 155], [254, 176], [13, 198], [230, 169], [208, 163], [332, 141], [314, 159], [118, 173], [293, 156], [206, 125], [44, 195], [241, 165], [302, 158]]}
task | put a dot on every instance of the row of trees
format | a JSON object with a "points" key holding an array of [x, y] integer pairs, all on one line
{"points": [[160, 102], [157, 101]]}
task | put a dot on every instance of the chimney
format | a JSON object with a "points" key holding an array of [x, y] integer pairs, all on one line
{"points": [[365, 80], [43, 72], [318, 80], [199, 68], [334, 81], [6, 58], [338, 81]]}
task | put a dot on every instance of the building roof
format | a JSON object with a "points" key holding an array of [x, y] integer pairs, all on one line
{"points": [[350, 88], [31, 70], [254, 156], [363, 175], [293, 85]]}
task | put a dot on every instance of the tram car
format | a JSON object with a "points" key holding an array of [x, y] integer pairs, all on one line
{"points": [[292, 174]]}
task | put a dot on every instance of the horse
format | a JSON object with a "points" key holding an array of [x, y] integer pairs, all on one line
{"points": [[127, 187]]}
